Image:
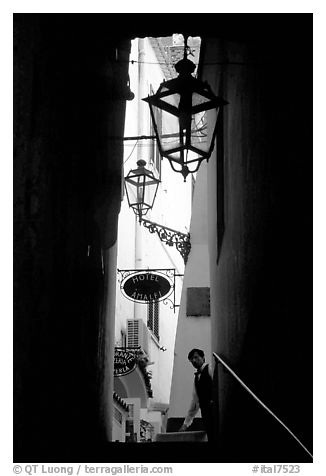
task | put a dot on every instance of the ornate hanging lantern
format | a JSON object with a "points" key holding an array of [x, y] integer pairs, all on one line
{"points": [[189, 111], [141, 188]]}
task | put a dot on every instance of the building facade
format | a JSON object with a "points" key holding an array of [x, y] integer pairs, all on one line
{"points": [[149, 325]]}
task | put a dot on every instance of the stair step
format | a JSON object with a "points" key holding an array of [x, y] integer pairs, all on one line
{"points": [[182, 436]]}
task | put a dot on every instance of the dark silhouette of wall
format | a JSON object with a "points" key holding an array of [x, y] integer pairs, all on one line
{"points": [[70, 95], [262, 300]]}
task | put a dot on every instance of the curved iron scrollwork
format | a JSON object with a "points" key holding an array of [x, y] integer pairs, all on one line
{"points": [[170, 237]]}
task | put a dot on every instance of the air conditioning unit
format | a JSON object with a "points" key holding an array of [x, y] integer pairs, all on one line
{"points": [[137, 334]]}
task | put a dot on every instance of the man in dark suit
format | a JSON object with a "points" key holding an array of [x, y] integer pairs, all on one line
{"points": [[202, 393]]}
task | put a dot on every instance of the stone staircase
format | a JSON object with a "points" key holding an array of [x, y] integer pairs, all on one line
{"points": [[182, 436]]}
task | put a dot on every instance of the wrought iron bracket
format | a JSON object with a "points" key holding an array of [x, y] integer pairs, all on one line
{"points": [[170, 237]]}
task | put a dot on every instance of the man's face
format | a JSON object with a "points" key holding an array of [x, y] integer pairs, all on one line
{"points": [[197, 361]]}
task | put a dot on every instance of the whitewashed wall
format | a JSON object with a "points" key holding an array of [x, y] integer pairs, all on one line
{"points": [[192, 332], [137, 247]]}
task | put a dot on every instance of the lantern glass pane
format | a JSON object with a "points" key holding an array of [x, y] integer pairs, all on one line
{"points": [[163, 89], [172, 99], [168, 130], [198, 99], [140, 193], [202, 129], [135, 190], [183, 157], [149, 194]]}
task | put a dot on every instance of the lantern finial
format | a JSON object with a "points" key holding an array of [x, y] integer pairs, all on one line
{"points": [[185, 66]]}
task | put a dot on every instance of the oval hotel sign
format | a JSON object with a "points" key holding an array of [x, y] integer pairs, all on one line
{"points": [[146, 287]]}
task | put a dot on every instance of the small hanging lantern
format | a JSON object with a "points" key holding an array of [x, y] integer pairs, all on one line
{"points": [[141, 188], [189, 111]]}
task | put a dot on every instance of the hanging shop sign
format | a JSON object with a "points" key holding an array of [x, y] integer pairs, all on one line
{"points": [[147, 286], [124, 362]]}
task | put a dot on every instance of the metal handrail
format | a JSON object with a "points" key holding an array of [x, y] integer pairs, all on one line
{"points": [[219, 359]]}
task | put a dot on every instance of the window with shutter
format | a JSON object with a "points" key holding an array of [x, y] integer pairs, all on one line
{"points": [[153, 318]]}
